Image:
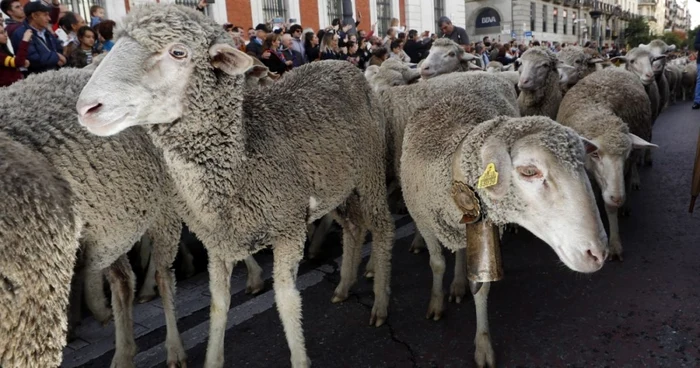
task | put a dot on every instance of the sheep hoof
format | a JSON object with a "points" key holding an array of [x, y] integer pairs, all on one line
{"points": [[636, 185], [122, 362], [625, 211], [146, 298], [103, 316], [254, 286], [369, 274], [180, 364], [612, 257], [484, 356], [339, 297], [435, 309], [458, 290], [377, 319]]}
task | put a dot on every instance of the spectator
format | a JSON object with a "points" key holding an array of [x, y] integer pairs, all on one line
{"points": [[311, 46], [329, 47], [238, 40], [456, 34], [9, 63], [254, 47], [81, 56], [105, 33], [97, 14], [389, 38], [297, 42], [363, 53], [483, 55], [504, 56], [45, 51], [67, 32], [378, 56], [272, 57], [14, 10], [398, 53], [696, 102], [289, 53], [416, 49]]}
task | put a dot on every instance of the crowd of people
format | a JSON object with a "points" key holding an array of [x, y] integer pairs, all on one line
{"points": [[42, 35]]}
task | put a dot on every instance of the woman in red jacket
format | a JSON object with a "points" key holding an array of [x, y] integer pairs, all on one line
{"points": [[9, 63]]}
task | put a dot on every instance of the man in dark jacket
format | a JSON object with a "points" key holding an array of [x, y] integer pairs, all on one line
{"points": [[13, 9], [45, 51], [254, 47], [416, 49], [696, 102]]}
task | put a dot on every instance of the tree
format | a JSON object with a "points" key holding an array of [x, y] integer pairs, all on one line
{"points": [[691, 37], [672, 38], [637, 32]]}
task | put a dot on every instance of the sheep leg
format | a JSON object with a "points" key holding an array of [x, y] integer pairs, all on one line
{"points": [[648, 160], [635, 182], [288, 298], [458, 289], [437, 264], [319, 236], [75, 304], [255, 283], [219, 286], [94, 286], [187, 259], [483, 355], [418, 243], [614, 242], [122, 282], [148, 289], [165, 239], [353, 233]]}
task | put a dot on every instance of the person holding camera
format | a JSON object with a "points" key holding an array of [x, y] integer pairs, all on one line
{"points": [[10, 63]]}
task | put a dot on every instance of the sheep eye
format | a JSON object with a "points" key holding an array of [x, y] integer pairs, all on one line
{"points": [[578, 61], [595, 154], [529, 172], [451, 54], [178, 52]]}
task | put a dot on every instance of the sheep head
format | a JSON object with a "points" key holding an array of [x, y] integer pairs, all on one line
{"points": [[638, 60], [537, 66], [574, 64], [166, 55], [659, 50], [542, 184], [445, 56], [391, 73]]}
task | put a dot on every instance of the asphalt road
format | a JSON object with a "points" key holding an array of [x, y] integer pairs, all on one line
{"points": [[639, 313]]}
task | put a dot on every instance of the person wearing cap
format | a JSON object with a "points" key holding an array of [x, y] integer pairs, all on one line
{"points": [[45, 51], [14, 10], [456, 34], [254, 47]]}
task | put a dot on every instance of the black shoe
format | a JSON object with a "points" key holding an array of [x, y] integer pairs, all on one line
{"points": [[696, 106]]}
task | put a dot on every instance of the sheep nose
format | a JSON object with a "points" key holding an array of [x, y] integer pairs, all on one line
{"points": [[649, 75], [618, 200], [85, 109], [597, 256]]}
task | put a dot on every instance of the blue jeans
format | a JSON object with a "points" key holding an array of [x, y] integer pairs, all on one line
{"points": [[697, 87]]}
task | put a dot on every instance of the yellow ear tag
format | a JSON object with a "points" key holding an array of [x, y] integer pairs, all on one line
{"points": [[489, 178], [617, 62]]}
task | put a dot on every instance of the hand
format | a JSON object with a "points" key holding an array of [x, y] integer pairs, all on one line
{"points": [[61, 60], [289, 62], [26, 63], [27, 35], [266, 55], [202, 4]]}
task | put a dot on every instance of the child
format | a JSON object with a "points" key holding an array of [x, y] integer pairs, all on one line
{"points": [[81, 56], [105, 33], [97, 13], [9, 63]]}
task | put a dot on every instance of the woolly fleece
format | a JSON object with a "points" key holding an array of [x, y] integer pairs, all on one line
{"points": [[545, 100]]}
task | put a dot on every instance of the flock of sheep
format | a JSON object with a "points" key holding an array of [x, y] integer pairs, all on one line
{"points": [[176, 125]]}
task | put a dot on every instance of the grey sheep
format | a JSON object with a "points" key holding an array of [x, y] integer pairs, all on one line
{"points": [[611, 108], [249, 180], [540, 93], [39, 230], [541, 181], [121, 189], [575, 64], [446, 56], [659, 49]]}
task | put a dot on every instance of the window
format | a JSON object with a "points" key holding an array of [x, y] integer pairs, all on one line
{"points": [[573, 24], [555, 17], [334, 10], [544, 18], [383, 16], [533, 16], [566, 21], [274, 9], [438, 12], [82, 7]]}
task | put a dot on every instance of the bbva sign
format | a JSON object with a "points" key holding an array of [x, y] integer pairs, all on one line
{"points": [[488, 17]]}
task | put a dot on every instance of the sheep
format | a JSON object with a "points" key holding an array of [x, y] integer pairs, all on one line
{"points": [[659, 49], [249, 181], [673, 74], [122, 191], [505, 72], [541, 181], [575, 63], [688, 80], [540, 93], [611, 108], [446, 56], [39, 230]]}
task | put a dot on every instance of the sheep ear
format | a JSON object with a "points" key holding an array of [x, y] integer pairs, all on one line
{"points": [[494, 152], [671, 48], [617, 60], [638, 142], [472, 66], [588, 145], [258, 70], [595, 61], [229, 59], [468, 57], [507, 67]]}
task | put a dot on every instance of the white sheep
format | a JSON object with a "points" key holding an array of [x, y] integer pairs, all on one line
{"points": [[610, 108], [541, 181], [540, 93], [250, 181], [446, 56], [659, 50], [575, 63], [39, 230]]}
